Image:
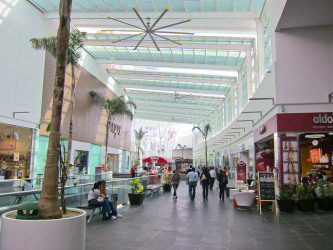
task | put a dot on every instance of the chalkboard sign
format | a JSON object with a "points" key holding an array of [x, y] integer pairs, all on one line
{"points": [[266, 186]]}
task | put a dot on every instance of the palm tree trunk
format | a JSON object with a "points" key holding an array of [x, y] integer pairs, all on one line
{"points": [[206, 153], [48, 203], [106, 140], [71, 120]]}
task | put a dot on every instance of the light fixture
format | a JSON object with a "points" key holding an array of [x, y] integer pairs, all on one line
{"points": [[315, 136], [315, 142]]}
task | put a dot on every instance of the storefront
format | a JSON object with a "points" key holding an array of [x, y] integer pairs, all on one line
{"points": [[296, 145], [16, 144]]}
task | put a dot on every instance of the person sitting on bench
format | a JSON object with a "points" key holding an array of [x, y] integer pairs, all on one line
{"points": [[95, 198]]}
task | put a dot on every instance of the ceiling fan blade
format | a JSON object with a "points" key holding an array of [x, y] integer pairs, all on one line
{"points": [[140, 41], [128, 37], [152, 38], [166, 26], [137, 13], [126, 23], [159, 18], [171, 32], [167, 39]]}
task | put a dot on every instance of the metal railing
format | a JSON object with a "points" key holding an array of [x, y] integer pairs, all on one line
{"points": [[75, 195]]}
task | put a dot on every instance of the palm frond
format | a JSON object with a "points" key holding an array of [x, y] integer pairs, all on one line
{"points": [[98, 99], [45, 43]]}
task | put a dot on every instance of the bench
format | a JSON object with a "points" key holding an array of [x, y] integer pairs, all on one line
{"points": [[153, 189], [93, 208]]}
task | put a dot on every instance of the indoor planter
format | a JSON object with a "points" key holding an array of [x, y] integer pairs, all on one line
{"points": [[167, 183], [325, 199], [306, 201], [137, 196], [64, 233], [286, 200]]}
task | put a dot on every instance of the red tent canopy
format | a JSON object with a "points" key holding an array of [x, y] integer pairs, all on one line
{"points": [[155, 159]]}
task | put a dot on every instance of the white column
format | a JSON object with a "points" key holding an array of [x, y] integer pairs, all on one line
{"points": [[248, 73], [260, 51], [240, 91]]}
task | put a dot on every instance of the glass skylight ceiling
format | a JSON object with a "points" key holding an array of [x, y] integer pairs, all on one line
{"points": [[177, 55], [155, 5], [218, 45], [181, 39], [174, 85], [171, 75]]}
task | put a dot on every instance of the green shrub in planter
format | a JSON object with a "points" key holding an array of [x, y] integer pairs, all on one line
{"points": [[167, 183], [325, 200], [286, 199], [306, 201], [137, 195]]}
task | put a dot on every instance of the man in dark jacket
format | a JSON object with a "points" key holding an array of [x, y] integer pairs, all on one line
{"points": [[205, 179]]}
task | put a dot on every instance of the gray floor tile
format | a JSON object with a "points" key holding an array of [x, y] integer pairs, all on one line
{"points": [[161, 223]]}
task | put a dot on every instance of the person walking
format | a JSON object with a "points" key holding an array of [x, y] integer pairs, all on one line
{"points": [[132, 172], [212, 173], [191, 181], [223, 181], [175, 181], [205, 179]]}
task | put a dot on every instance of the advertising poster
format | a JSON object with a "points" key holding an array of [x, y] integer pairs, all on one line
{"points": [[16, 156], [241, 171]]}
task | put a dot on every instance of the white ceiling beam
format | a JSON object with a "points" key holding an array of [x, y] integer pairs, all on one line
{"points": [[166, 64], [168, 119], [168, 45], [168, 78], [176, 104], [175, 115], [171, 97], [212, 16], [173, 109]]}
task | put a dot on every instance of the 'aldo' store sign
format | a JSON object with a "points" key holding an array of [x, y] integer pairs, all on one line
{"points": [[323, 119]]}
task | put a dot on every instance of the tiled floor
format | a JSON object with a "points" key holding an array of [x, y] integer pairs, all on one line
{"points": [[161, 223]]}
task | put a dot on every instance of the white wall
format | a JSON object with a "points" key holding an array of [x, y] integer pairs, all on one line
{"points": [[21, 67], [304, 65]]}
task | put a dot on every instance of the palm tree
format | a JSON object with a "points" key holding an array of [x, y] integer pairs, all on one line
{"points": [[74, 50], [204, 132], [48, 203], [139, 136], [182, 148], [114, 107]]}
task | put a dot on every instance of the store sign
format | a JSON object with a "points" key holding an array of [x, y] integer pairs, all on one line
{"points": [[306, 122], [323, 119], [115, 129]]}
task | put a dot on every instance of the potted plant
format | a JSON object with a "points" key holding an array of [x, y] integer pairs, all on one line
{"points": [[286, 199], [167, 183], [306, 201], [60, 232], [325, 199], [137, 195]]}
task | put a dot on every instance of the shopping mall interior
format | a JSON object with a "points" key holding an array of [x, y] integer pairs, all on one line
{"points": [[240, 85]]}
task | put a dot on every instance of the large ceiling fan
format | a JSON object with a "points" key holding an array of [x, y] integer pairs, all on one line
{"points": [[180, 97], [151, 31]]}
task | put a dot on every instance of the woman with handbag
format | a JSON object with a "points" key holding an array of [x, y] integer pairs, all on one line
{"points": [[96, 198], [175, 181], [204, 180]]}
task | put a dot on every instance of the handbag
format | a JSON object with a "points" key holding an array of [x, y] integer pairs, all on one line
{"points": [[203, 177], [174, 183], [100, 199]]}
